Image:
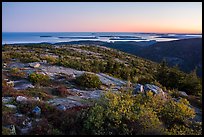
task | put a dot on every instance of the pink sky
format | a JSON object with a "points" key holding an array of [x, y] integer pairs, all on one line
{"points": [[170, 17]]}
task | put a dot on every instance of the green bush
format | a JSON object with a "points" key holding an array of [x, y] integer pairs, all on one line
{"points": [[173, 78], [6, 131], [40, 79], [88, 80], [16, 73], [144, 79], [123, 114], [50, 59], [192, 84], [119, 114], [36, 92], [109, 117], [147, 122], [177, 112], [191, 129]]}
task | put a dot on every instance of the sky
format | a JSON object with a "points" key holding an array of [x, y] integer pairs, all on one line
{"points": [[166, 17]]}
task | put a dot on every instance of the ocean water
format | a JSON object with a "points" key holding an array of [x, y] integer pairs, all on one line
{"points": [[55, 37]]}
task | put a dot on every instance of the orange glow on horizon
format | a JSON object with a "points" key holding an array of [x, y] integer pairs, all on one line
{"points": [[143, 29]]}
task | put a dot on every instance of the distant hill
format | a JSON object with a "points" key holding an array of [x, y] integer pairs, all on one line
{"points": [[187, 53]]}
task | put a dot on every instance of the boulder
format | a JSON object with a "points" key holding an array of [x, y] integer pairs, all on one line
{"points": [[108, 80], [36, 98], [153, 88], [7, 99], [96, 94], [21, 98], [37, 111], [13, 59], [174, 99], [44, 61], [25, 127], [73, 75], [183, 93], [10, 83], [138, 89], [16, 65], [6, 79], [12, 129], [18, 115], [27, 122], [22, 84], [37, 120], [177, 99], [34, 65], [4, 65], [11, 106], [24, 131], [61, 107]]}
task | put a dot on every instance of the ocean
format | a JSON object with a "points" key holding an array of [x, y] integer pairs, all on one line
{"points": [[56, 37]]}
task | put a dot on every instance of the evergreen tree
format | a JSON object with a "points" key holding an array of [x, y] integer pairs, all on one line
{"points": [[192, 84], [162, 73]]}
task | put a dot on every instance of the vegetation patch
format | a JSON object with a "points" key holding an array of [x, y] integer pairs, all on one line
{"points": [[39, 79], [89, 80]]}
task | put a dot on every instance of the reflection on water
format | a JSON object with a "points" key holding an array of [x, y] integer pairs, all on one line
{"points": [[55, 37]]}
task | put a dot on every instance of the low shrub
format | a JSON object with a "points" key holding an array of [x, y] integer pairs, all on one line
{"points": [[177, 112], [88, 80], [43, 127], [6, 131], [16, 73], [40, 79], [61, 91]]}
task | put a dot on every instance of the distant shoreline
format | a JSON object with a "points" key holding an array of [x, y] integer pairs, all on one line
{"points": [[90, 42], [54, 37], [116, 32]]}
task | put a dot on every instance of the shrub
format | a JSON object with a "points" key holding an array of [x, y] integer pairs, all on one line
{"points": [[7, 116], [174, 78], [119, 115], [50, 59], [16, 73], [7, 90], [192, 84], [177, 129], [88, 80], [176, 112], [6, 131], [147, 122], [61, 91], [42, 128], [144, 79], [72, 121], [146, 114], [47, 110], [197, 101], [108, 116], [40, 79], [28, 59], [36, 92], [174, 93], [155, 102]]}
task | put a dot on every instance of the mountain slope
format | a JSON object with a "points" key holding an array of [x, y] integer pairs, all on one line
{"points": [[187, 53]]}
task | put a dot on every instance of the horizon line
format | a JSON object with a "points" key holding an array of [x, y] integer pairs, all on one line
{"points": [[97, 32]]}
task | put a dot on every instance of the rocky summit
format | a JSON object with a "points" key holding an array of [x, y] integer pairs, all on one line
{"points": [[91, 89]]}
